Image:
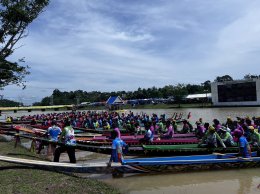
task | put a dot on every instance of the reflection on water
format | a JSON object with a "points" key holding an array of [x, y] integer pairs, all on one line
{"points": [[244, 181]]}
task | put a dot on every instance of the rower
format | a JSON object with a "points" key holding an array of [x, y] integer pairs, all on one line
{"points": [[187, 127], [211, 139], [170, 131], [254, 136], [148, 137], [216, 125], [244, 147], [200, 129], [226, 137]]}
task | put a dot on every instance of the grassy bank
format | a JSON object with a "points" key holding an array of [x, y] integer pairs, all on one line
{"points": [[20, 179]]}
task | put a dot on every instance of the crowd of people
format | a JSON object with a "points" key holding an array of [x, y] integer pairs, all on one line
{"points": [[240, 131]]}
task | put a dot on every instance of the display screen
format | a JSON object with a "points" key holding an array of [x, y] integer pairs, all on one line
{"points": [[238, 92]]}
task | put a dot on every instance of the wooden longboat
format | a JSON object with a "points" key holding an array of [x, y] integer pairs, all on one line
{"points": [[104, 149], [149, 165], [135, 142], [138, 150], [130, 140]]}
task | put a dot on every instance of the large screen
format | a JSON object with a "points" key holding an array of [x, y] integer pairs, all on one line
{"points": [[238, 92]]}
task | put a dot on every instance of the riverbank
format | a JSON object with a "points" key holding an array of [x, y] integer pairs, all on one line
{"points": [[20, 179]]}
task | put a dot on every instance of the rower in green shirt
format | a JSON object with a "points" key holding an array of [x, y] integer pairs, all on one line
{"points": [[254, 136], [211, 139]]}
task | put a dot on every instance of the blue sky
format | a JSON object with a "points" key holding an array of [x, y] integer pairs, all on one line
{"points": [[112, 45]]}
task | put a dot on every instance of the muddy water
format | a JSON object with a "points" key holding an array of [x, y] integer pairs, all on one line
{"points": [[208, 114], [241, 181]]}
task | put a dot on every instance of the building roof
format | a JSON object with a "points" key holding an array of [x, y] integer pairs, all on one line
{"points": [[192, 96], [114, 100]]}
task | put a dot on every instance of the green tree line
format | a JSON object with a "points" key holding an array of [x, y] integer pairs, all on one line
{"points": [[75, 97], [170, 91]]}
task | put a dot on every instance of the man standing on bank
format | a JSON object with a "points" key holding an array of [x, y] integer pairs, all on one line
{"points": [[67, 135]]}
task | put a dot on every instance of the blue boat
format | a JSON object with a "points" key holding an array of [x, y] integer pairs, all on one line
{"points": [[149, 165], [188, 163]]}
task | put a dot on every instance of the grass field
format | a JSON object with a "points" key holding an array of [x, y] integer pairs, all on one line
{"points": [[20, 179]]}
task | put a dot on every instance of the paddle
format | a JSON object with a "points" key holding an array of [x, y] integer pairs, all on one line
{"points": [[221, 154], [232, 156]]}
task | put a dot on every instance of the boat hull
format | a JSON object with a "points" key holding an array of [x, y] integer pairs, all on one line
{"points": [[147, 165]]}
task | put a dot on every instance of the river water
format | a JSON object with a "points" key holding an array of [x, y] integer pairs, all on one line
{"points": [[240, 181]]}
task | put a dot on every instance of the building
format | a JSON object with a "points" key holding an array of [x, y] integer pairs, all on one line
{"points": [[206, 97], [236, 93], [114, 103]]}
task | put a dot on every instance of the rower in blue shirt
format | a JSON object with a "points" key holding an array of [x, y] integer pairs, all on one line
{"points": [[244, 147]]}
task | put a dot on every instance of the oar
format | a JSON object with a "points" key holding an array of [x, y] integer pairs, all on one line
{"points": [[173, 116], [233, 156], [221, 154], [180, 116], [247, 159]]}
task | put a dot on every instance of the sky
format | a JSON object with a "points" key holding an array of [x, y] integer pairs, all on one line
{"points": [[115, 45]]}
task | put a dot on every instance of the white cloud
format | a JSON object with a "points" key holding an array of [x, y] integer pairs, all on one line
{"points": [[105, 45]]}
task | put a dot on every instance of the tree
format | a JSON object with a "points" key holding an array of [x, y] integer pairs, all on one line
{"points": [[224, 78], [179, 92], [9, 103], [15, 16], [249, 76], [206, 86]]}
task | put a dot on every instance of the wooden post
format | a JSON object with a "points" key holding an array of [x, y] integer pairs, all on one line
{"points": [[33, 145], [17, 140]]}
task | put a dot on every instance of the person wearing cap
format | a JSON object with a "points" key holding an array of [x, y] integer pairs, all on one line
{"points": [[244, 147], [211, 139], [226, 137], [230, 124], [254, 136]]}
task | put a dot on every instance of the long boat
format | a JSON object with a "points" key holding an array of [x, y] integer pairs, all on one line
{"points": [[97, 140], [149, 165], [135, 150]]}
